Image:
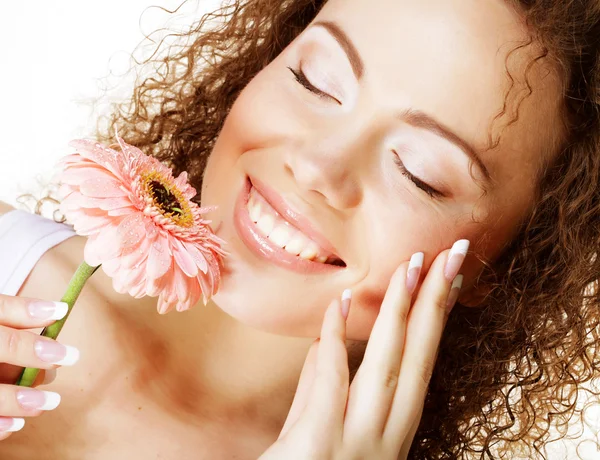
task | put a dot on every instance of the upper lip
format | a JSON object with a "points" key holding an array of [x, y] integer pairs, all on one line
{"points": [[292, 216]]}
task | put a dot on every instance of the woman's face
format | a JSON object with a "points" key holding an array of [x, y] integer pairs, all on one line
{"points": [[357, 142]]}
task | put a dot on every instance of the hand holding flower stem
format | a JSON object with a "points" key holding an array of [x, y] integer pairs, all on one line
{"points": [[141, 226], [74, 288]]}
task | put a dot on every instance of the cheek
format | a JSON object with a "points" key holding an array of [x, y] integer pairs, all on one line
{"points": [[263, 113], [391, 241]]}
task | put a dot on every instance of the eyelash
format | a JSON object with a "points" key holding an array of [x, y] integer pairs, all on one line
{"points": [[433, 193], [301, 78]]}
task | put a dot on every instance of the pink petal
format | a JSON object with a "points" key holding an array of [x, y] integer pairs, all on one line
{"points": [[195, 292], [122, 211], [165, 305], [100, 154], [192, 298], [197, 256], [102, 188], [181, 283], [159, 258], [86, 223], [68, 160], [135, 254], [107, 244], [183, 258], [72, 202], [128, 150], [111, 266], [155, 286], [76, 176], [92, 254], [131, 230], [128, 279], [138, 291], [206, 287], [167, 298], [108, 204]]}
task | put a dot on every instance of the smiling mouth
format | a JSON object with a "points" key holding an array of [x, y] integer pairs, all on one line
{"points": [[283, 234]]}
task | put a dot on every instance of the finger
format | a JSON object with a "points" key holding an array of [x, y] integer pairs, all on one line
{"points": [[373, 388], [47, 377], [324, 414], [307, 376], [26, 349], [408, 440], [9, 374], [8, 425], [18, 401], [424, 330], [25, 313]]}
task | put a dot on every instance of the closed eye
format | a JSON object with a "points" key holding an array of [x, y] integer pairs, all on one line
{"points": [[432, 192], [301, 78]]}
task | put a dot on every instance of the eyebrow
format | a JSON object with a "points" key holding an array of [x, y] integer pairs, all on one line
{"points": [[415, 118], [422, 120], [355, 61]]}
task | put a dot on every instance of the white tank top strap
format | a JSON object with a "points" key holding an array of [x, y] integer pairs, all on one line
{"points": [[24, 238]]}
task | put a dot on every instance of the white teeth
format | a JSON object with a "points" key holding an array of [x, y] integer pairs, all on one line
{"points": [[254, 209], [310, 251], [280, 235], [265, 223], [296, 244]]}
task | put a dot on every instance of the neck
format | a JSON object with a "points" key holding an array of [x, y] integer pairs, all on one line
{"points": [[210, 365]]}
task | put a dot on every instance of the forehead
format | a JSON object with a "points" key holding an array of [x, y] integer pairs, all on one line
{"points": [[447, 58]]}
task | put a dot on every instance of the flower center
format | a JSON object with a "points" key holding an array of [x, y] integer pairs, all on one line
{"points": [[164, 199]]}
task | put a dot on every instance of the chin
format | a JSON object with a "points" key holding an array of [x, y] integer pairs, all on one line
{"points": [[270, 312], [263, 285]]}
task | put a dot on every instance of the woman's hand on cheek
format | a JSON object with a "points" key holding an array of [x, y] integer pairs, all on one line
{"points": [[377, 416]]}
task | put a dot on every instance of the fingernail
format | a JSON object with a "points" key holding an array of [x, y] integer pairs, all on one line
{"points": [[346, 297], [41, 309], [454, 291], [49, 376], [56, 353], [11, 425], [29, 398], [456, 257], [414, 271]]}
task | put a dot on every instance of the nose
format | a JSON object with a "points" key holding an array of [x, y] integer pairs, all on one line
{"points": [[328, 170]]}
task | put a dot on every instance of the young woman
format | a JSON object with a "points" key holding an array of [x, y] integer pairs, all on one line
{"points": [[383, 132]]}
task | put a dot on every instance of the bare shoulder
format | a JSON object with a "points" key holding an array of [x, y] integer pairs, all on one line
{"points": [[44, 279], [54, 270], [5, 207]]}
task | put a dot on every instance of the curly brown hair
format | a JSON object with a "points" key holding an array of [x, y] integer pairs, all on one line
{"points": [[515, 366]]}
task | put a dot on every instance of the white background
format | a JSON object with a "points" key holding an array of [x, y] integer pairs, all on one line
{"points": [[54, 59]]}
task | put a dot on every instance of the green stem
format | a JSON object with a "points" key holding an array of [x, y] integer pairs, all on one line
{"points": [[83, 273]]}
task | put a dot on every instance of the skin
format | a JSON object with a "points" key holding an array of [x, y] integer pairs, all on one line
{"points": [[335, 163], [233, 366]]}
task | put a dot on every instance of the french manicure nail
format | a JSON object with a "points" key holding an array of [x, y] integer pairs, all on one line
{"points": [[10, 425], [56, 353], [29, 398], [454, 292], [346, 297], [41, 309], [414, 271], [49, 376], [456, 257]]}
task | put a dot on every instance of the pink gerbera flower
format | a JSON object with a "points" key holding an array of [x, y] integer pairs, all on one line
{"points": [[142, 227]]}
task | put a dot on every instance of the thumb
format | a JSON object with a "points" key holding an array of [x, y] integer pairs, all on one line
{"points": [[307, 376]]}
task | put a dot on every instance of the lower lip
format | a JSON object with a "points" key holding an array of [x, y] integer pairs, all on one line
{"points": [[263, 247]]}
